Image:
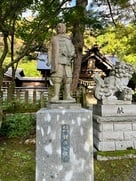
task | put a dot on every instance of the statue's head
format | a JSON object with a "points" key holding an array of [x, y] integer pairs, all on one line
{"points": [[61, 28]]}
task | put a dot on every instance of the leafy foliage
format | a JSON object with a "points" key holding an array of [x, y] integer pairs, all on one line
{"points": [[29, 68], [119, 41], [19, 107], [17, 125]]}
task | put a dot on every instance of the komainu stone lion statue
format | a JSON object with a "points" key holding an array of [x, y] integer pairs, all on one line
{"points": [[114, 87]]}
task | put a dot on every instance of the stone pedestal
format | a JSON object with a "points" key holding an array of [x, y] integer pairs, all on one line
{"points": [[114, 127], [64, 144]]}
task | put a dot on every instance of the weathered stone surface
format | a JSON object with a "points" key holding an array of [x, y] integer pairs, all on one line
{"points": [[124, 145], [135, 144], [114, 101], [123, 127], [115, 86], [105, 158], [61, 52], [114, 133], [134, 126], [64, 145], [114, 110], [103, 145], [130, 135], [63, 105], [108, 126], [110, 136], [110, 119]]}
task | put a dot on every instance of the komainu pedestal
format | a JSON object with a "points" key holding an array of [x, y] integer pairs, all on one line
{"points": [[64, 144], [114, 126]]}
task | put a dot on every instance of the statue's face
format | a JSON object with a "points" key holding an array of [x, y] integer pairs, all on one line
{"points": [[61, 28]]}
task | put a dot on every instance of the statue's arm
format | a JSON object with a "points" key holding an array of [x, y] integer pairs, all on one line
{"points": [[50, 53], [53, 54]]}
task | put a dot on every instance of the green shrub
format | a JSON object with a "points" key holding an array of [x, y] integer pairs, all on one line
{"points": [[20, 107], [17, 125], [134, 97]]}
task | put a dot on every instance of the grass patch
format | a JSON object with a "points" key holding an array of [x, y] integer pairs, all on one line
{"points": [[115, 170], [17, 161], [116, 153]]}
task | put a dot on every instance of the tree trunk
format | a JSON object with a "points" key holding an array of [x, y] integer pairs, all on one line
{"points": [[78, 40], [5, 51], [12, 86], [1, 95]]}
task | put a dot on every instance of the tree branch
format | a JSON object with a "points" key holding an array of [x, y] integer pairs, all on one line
{"points": [[5, 51], [109, 4]]}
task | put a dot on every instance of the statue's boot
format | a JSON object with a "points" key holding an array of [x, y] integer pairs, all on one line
{"points": [[56, 91], [67, 90]]}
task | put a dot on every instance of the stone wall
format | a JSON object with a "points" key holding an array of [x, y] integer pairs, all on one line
{"points": [[115, 132]]}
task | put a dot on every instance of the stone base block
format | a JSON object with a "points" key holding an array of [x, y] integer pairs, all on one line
{"points": [[114, 109], [63, 105], [114, 133], [64, 145]]}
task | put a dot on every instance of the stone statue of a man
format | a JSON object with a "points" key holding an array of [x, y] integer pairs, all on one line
{"points": [[61, 52]]}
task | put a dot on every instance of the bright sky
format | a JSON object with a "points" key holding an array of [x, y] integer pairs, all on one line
{"points": [[74, 2]]}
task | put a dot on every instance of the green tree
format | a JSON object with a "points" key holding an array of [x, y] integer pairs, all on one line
{"points": [[9, 12], [49, 15], [120, 41]]}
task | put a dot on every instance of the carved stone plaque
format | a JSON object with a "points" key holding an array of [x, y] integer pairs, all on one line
{"points": [[65, 143]]}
